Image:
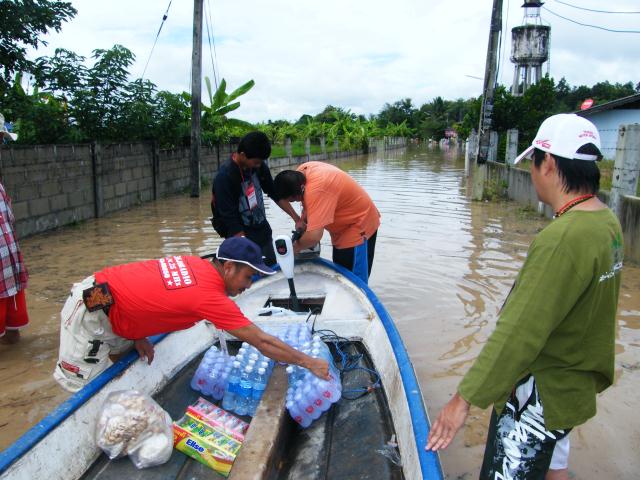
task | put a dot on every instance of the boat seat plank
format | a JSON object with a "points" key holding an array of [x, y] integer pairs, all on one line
{"points": [[343, 444], [263, 437]]}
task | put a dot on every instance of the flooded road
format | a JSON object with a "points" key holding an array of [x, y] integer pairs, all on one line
{"points": [[443, 267]]}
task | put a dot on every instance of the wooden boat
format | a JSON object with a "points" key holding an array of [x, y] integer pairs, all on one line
{"points": [[349, 441]]}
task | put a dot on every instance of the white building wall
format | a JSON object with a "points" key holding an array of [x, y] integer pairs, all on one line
{"points": [[608, 123]]}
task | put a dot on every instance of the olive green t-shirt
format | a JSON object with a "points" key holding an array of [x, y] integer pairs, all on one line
{"points": [[558, 322]]}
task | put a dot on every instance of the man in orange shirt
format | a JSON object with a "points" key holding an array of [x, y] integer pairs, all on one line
{"points": [[332, 200]]}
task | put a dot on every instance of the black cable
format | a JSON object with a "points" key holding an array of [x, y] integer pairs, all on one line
{"points": [[211, 39], [164, 17], [593, 10], [592, 26]]}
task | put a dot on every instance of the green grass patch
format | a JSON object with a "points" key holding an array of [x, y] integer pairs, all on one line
{"points": [[606, 174], [495, 190], [297, 149]]}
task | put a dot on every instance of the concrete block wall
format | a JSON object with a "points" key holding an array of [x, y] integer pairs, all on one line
{"points": [[56, 185], [50, 185], [126, 175]]}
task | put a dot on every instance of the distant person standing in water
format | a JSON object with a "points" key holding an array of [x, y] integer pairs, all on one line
{"points": [[14, 276], [552, 350], [334, 201], [237, 201]]}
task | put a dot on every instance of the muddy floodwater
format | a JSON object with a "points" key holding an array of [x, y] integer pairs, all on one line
{"points": [[443, 267]]}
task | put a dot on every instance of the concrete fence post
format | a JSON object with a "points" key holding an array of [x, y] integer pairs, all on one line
{"points": [[470, 152], [307, 148], [287, 147], [336, 147], [323, 145], [626, 168], [512, 146], [97, 172], [492, 155], [155, 169]]}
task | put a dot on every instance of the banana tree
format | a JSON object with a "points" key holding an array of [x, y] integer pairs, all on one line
{"points": [[216, 126]]}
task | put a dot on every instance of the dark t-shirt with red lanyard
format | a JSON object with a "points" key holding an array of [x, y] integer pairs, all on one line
{"points": [[237, 201]]}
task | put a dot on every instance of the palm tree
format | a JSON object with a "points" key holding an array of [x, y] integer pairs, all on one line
{"points": [[216, 126]]}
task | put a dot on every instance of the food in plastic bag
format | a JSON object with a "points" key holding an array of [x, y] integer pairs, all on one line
{"points": [[132, 423]]}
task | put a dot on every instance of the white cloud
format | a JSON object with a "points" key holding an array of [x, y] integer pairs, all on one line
{"points": [[354, 54]]}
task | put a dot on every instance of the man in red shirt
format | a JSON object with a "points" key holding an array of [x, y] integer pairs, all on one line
{"points": [[119, 307]]}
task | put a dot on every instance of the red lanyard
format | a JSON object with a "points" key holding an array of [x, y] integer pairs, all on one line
{"points": [[572, 203]]}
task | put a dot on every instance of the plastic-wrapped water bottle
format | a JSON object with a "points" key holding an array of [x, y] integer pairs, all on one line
{"points": [[259, 386], [308, 404], [220, 384], [243, 398], [233, 386], [297, 411], [327, 390], [199, 378]]}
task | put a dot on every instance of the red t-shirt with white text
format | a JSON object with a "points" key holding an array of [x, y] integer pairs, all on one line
{"points": [[169, 294]]}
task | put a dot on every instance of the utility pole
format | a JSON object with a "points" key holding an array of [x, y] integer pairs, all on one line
{"points": [[486, 112], [196, 93]]}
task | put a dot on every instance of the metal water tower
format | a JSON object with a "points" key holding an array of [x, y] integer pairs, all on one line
{"points": [[529, 48]]}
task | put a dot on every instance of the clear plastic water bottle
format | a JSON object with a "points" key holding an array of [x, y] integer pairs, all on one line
{"points": [[327, 391], [299, 416], [220, 384], [199, 378], [298, 412], [243, 398], [233, 386], [308, 404], [259, 386]]}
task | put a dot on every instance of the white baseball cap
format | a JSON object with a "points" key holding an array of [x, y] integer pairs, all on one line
{"points": [[563, 135]]}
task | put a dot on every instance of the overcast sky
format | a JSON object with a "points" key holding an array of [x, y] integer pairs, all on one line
{"points": [[355, 54]]}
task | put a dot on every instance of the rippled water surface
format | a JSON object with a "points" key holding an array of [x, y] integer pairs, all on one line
{"points": [[443, 267]]}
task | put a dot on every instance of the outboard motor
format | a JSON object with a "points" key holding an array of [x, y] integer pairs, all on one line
{"points": [[284, 254]]}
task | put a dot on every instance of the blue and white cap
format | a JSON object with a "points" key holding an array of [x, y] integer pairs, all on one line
{"points": [[243, 250]]}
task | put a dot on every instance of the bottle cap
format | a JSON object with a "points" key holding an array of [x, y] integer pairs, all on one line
{"points": [[261, 371], [236, 364]]}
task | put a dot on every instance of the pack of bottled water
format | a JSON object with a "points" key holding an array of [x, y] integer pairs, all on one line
{"points": [[240, 380], [211, 375], [308, 396], [247, 381]]}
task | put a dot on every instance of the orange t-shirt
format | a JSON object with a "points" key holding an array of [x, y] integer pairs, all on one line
{"points": [[333, 200]]}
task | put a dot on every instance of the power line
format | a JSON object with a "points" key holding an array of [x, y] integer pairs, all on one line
{"points": [[211, 39], [501, 50], [593, 10], [164, 17], [591, 26]]}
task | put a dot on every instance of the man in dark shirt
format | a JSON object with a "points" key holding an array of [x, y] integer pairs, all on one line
{"points": [[237, 202]]}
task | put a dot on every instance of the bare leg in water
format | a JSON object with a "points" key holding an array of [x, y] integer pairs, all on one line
{"points": [[10, 337], [562, 474]]}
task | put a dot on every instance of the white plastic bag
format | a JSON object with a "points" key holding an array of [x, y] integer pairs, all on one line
{"points": [[132, 423]]}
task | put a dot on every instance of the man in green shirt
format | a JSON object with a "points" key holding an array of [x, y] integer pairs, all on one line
{"points": [[552, 349]]}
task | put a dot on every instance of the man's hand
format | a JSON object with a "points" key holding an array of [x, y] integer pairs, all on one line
{"points": [[301, 225], [319, 367], [145, 349], [449, 421]]}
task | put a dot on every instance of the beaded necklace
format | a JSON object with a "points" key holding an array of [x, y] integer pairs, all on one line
{"points": [[572, 203]]}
